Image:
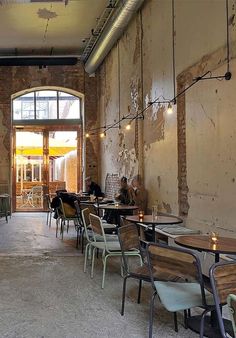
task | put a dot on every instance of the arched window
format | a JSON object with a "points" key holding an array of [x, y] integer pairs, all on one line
{"points": [[46, 105]]}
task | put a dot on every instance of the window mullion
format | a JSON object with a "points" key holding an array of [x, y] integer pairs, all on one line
{"points": [[35, 105]]}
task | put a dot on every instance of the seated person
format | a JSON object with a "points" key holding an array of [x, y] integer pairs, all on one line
{"points": [[139, 193], [124, 195], [93, 188]]}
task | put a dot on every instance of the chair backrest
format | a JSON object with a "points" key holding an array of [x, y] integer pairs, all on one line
{"points": [[78, 212], [89, 206], [175, 261], [231, 301], [97, 227], [86, 222], [66, 209], [222, 277], [129, 239], [37, 189], [48, 201]]}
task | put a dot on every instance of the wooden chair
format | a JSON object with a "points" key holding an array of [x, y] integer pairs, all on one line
{"points": [[129, 239], [179, 295], [67, 214], [223, 283]]}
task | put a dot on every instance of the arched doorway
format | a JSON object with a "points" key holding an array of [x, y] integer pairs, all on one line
{"points": [[47, 145]]}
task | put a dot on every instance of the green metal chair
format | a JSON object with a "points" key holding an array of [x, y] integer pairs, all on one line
{"points": [[109, 249], [89, 235], [177, 295]]}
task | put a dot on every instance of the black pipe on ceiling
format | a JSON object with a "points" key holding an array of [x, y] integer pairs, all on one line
{"points": [[38, 61]]}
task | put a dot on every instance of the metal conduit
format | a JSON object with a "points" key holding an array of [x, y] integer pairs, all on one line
{"points": [[112, 33]]}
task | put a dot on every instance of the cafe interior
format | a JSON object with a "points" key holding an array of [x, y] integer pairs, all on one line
{"points": [[117, 142]]}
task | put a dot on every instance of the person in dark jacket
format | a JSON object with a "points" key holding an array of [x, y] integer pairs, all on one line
{"points": [[124, 195], [93, 188]]}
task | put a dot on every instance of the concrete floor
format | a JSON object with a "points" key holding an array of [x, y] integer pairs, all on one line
{"points": [[45, 294]]}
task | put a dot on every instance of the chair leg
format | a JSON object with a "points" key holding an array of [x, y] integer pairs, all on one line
{"points": [[86, 256], [139, 290], [62, 228], [92, 268], [47, 217], [123, 296], [104, 270], [175, 322], [57, 225], [82, 240], [50, 219], [185, 319], [203, 322], [77, 239], [151, 314]]}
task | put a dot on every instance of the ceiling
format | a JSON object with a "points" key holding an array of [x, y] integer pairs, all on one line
{"points": [[47, 28]]}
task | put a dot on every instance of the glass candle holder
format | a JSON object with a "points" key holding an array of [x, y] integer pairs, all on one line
{"points": [[214, 237], [140, 215], [154, 212]]}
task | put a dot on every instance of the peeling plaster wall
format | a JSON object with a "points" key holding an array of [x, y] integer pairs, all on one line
{"points": [[211, 154], [189, 156]]}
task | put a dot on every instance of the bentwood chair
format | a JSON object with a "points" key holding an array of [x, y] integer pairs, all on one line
{"points": [[109, 249], [177, 295], [129, 239], [223, 282]]}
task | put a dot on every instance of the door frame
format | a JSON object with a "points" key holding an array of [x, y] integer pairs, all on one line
{"points": [[45, 129]]}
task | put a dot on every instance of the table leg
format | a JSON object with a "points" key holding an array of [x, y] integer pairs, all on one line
{"points": [[153, 233]]}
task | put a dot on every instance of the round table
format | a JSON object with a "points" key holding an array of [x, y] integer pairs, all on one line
{"points": [[153, 221], [224, 245], [118, 209]]}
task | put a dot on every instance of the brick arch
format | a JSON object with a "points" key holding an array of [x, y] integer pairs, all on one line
{"points": [[69, 78]]}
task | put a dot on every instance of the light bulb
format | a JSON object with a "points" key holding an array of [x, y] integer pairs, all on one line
{"points": [[128, 127], [102, 135], [87, 135], [169, 109]]}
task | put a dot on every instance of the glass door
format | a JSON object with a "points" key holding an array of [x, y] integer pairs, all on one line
{"points": [[63, 163], [30, 162]]}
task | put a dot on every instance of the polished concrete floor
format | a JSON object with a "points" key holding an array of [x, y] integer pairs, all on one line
{"points": [[44, 292]]}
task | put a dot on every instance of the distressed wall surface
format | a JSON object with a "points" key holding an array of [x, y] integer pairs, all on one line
{"points": [[15, 79], [188, 157]]}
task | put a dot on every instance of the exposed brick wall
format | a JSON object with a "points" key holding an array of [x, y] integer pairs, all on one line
{"points": [[16, 79]]}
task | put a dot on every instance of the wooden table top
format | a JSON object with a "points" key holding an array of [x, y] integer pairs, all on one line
{"points": [[224, 245], [119, 207], [160, 219]]}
